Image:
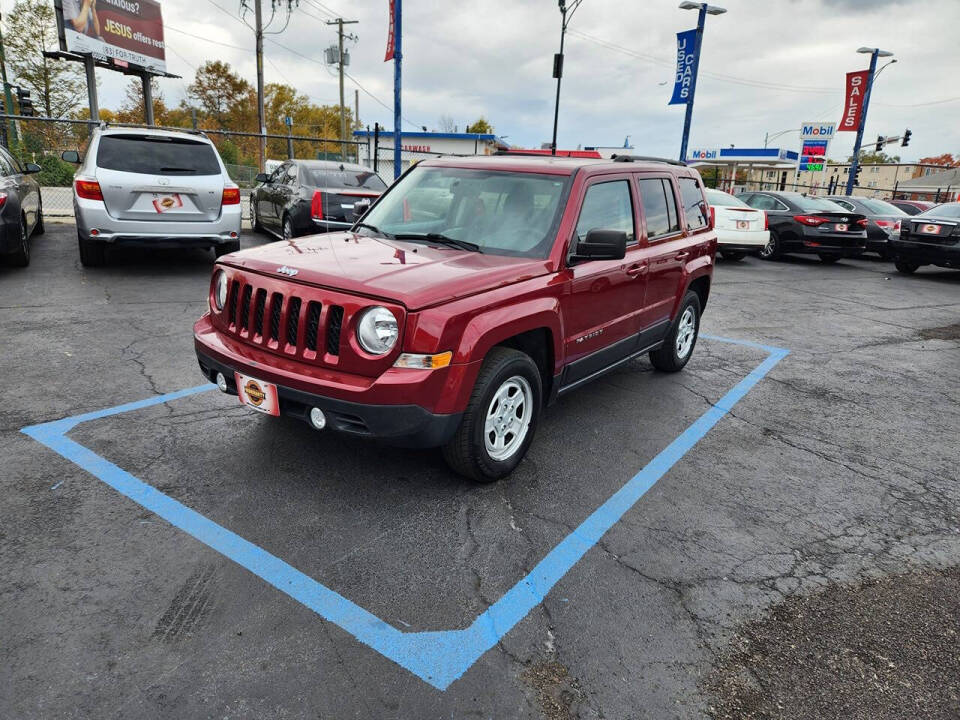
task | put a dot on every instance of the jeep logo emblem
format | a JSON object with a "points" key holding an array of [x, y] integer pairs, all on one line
{"points": [[290, 272]]}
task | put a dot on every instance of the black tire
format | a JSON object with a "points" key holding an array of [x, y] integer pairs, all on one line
{"points": [[39, 228], [668, 357], [286, 228], [21, 256], [905, 267], [254, 219], [732, 255], [93, 253], [224, 248], [466, 453], [773, 249], [828, 259]]}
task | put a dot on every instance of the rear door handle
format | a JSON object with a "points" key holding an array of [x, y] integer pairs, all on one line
{"points": [[637, 268], [682, 255]]}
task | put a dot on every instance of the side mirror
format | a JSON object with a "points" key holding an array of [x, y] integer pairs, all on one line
{"points": [[359, 208], [32, 168], [602, 245], [70, 156], [262, 178]]}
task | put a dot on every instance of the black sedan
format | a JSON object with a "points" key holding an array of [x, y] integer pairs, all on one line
{"points": [[20, 212], [930, 238], [805, 224], [883, 220], [311, 196]]}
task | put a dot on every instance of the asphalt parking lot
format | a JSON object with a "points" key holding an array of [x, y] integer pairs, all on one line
{"points": [[836, 466]]}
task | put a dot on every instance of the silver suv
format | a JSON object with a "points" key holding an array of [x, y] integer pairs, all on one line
{"points": [[151, 187]]}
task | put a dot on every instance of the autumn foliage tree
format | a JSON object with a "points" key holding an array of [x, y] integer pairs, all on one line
{"points": [[946, 160]]}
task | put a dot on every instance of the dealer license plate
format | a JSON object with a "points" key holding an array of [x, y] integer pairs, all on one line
{"points": [[930, 229], [166, 203], [257, 394], [842, 227], [743, 224]]}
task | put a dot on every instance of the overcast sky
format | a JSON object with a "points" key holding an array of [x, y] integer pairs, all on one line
{"points": [[767, 65]]}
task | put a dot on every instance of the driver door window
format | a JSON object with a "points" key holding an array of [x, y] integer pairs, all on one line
{"points": [[607, 206]]}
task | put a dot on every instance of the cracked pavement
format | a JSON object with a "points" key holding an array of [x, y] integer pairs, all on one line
{"points": [[839, 467]]}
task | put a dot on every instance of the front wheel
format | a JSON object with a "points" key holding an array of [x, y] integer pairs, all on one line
{"points": [[254, 220], [905, 267], [38, 228], [287, 228], [21, 256], [680, 341], [500, 419]]}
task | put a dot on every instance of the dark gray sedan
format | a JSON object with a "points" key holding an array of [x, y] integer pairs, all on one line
{"points": [[21, 214], [883, 220]]}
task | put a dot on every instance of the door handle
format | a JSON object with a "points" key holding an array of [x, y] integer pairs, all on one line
{"points": [[682, 255], [637, 268]]}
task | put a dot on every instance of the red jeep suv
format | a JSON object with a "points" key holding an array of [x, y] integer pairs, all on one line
{"points": [[473, 293]]}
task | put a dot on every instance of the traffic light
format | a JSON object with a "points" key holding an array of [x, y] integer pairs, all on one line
{"points": [[24, 102], [856, 175], [879, 145], [906, 137]]}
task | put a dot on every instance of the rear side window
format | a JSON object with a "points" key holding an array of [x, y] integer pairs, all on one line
{"points": [[659, 207], [607, 206], [694, 206], [354, 179], [156, 155]]}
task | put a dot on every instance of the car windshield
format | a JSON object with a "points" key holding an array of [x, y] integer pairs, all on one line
{"points": [[948, 210], [716, 197], [157, 155], [346, 178], [882, 207], [502, 213], [815, 204]]}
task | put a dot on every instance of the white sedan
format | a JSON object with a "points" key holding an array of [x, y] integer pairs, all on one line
{"points": [[740, 228]]}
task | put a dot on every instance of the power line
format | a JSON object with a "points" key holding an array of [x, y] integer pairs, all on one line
{"points": [[200, 37]]}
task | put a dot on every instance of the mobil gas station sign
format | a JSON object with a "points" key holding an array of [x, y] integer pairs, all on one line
{"points": [[817, 131]]}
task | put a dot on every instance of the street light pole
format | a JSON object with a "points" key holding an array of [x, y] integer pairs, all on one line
{"points": [[703, 10], [558, 65], [871, 74]]}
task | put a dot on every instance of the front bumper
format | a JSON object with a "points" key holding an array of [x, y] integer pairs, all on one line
{"points": [[93, 215], [944, 255], [389, 408]]}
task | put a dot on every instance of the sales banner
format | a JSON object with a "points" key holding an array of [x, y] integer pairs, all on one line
{"points": [[686, 58], [853, 109], [128, 31], [390, 29]]}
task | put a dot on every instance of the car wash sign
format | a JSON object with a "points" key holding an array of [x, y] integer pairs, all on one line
{"points": [[686, 67]]}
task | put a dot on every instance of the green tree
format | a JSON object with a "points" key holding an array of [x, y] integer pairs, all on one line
{"points": [[481, 127], [30, 30], [875, 158]]}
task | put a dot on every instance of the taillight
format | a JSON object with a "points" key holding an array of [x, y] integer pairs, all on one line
{"points": [[88, 189], [231, 196], [766, 220], [892, 226], [3, 199], [713, 217], [862, 222], [316, 205], [811, 220]]}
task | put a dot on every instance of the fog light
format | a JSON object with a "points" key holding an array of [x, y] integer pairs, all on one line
{"points": [[318, 419], [222, 382], [94, 232], [232, 234]]}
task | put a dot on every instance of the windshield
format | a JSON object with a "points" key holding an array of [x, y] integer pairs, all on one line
{"points": [[504, 213], [947, 210], [815, 204], [716, 197], [882, 207], [157, 155], [347, 178]]}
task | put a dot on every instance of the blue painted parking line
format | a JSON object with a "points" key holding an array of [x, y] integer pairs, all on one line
{"points": [[437, 657]]}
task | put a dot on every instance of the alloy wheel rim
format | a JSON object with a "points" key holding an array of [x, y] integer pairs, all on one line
{"points": [[686, 332], [287, 230], [767, 249], [23, 235], [508, 418]]}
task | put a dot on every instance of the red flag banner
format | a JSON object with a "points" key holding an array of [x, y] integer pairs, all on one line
{"points": [[853, 109], [391, 27]]}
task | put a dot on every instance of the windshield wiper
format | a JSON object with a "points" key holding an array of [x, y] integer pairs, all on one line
{"points": [[374, 228], [440, 239]]}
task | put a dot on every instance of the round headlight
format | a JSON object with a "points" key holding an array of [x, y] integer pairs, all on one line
{"points": [[377, 330], [220, 290]]}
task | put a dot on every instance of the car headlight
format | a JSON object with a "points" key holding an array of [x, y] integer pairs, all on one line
{"points": [[220, 290], [377, 330]]}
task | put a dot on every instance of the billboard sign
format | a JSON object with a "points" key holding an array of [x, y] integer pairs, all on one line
{"points": [[686, 58], [813, 154], [853, 108], [704, 154], [817, 130], [128, 31]]}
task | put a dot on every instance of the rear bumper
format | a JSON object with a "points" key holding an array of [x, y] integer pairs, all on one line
{"points": [[93, 215], [742, 239], [927, 253], [385, 408], [822, 243]]}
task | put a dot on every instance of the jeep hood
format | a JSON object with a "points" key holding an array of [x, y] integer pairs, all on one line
{"points": [[415, 274]]}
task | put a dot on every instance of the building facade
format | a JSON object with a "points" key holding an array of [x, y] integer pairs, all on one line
{"points": [[875, 180], [416, 146]]}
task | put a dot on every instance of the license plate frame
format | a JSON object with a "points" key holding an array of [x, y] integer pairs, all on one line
{"points": [[930, 229], [743, 224], [258, 394], [842, 227], [166, 203]]}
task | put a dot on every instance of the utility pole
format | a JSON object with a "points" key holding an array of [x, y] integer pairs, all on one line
{"points": [[702, 11], [397, 77], [871, 73], [558, 65], [261, 114], [340, 22]]}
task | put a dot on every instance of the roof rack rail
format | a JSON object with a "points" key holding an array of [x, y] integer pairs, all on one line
{"points": [[646, 158]]}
